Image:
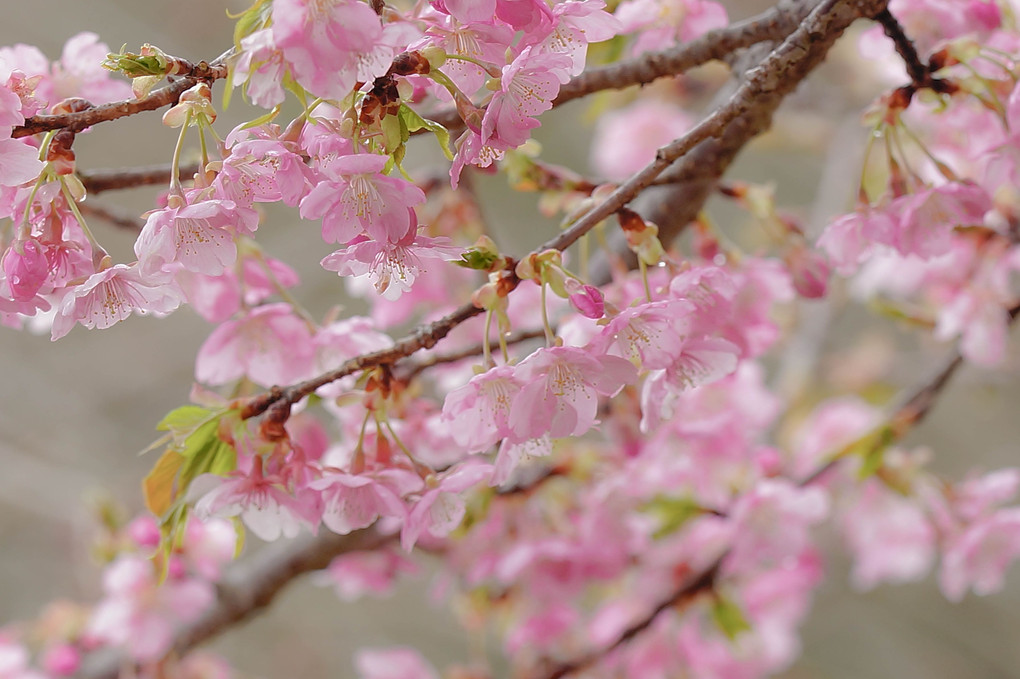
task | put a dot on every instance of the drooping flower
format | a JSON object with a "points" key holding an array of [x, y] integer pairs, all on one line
{"points": [[358, 198], [392, 267], [264, 504], [110, 296], [198, 236], [528, 87], [561, 390]]}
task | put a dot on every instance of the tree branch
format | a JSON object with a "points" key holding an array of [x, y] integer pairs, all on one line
{"points": [[98, 181], [202, 72], [247, 588]]}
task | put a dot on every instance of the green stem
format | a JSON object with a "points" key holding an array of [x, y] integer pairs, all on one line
{"points": [[644, 278], [175, 164], [487, 361], [550, 339], [420, 469], [285, 294], [73, 206]]}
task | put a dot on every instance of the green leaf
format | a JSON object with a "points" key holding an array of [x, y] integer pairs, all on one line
{"points": [[184, 419], [729, 618], [415, 122], [251, 20], [673, 513], [477, 259], [393, 132]]}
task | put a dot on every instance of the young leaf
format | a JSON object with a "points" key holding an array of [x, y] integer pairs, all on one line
{"points": [[729, 618], [158, 486]]}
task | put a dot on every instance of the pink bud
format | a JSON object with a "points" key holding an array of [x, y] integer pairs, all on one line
{"points": [[61, 660], [26, 269], [810, 271], [588, 301], [144, 532]]}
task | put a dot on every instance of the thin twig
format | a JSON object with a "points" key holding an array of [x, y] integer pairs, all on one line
{"points": [[115, 216], [98, 181]]}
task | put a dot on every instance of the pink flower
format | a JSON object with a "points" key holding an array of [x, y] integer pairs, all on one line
{"points": [[139, 613], [441, 508], [358, 198], [528, 87], [561, 389], [19, 161], [626, 139], [772, 522], [14, 661], [665, 22], [199, 236], [587, 300], [263, 503], [467, 11], [850, 239], [485, 42], [478, 414], [393, 663], [262, 66], [360, 573], [650, 335], [978, 558], [111, 296], [26, 269], [889, 535], [269, 345], [262, 171], [353, 501], [927, 218], [79, 73], [473, 150], [217, 298], [577, 23], [331, 44], [392, 267]]}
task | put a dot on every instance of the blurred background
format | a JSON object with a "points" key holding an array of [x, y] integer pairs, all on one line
{"points": [[74, 414]]}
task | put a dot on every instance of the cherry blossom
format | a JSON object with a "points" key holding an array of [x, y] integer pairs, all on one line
{"points": [[560, 391], [357, 198], [269, 345], [111, 296]]}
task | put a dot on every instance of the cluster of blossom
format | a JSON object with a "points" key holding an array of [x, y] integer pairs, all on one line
{"points": [[144, 602], [941, 240], [574, 487]]}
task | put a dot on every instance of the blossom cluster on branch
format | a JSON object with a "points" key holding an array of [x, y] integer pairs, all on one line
{"points": [[587, 449]]}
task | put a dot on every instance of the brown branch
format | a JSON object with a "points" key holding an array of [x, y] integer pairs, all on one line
{"points": [[203, 72], [413, 369], [248, 587], [919, 72], [98, 181], [115, 216], [680, 598]]}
